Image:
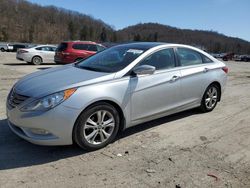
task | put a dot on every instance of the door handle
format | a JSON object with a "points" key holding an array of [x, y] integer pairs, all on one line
{"points": [[174, 78], [206, 70]]}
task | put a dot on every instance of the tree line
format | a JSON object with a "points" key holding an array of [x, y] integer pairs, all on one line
{"points": [[208, 40], [22, 21]]}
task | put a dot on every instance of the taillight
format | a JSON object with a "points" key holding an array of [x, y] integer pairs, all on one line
{"points": [[65, 53], [22, 51], [225, 69]]}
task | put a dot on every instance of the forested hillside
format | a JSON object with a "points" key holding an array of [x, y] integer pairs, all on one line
{"points": [[211, 41], [22, 21]]}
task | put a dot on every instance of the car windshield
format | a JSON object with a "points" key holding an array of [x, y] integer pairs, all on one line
{"points": [[111, 60]]}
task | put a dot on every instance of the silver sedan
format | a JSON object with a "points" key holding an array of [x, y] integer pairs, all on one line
{"points": [[90, 101], [37, 55]]}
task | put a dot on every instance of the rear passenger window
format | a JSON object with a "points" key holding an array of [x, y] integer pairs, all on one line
{"points": [[163, 59], [92, 48], [53, 49], [43, 48], [100, 48], [206, 59], [80, 46], [189, 57]]}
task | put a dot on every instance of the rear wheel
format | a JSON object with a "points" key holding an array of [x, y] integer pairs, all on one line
{"points": [[37, 60], [2, 50], [78, 59], [96, 127], [210, 98]]}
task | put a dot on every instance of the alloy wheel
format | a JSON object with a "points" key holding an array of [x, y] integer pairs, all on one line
{"points": [[99, 127], [211, 98], [37, 60]]}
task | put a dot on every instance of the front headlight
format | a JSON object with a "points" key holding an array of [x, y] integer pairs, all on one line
{"points": [[49, 101]]}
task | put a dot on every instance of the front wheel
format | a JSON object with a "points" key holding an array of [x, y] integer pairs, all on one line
{"points": [[96, 127], [210, 98]]}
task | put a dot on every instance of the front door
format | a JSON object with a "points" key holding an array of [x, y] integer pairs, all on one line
{"points": [[157, 93]]}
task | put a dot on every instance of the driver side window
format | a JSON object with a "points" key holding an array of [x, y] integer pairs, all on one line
{"points": [[163, 59]]}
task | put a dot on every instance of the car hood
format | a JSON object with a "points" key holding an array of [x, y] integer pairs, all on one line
{"points": [[52, 80]]}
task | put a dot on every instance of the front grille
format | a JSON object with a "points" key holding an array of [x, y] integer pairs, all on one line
{"points": [[16, 99]]}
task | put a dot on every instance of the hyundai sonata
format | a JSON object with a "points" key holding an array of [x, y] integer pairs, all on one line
{"points": [[88, 102]]}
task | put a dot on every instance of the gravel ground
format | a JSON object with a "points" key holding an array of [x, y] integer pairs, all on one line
{"points": [[189, 149]]}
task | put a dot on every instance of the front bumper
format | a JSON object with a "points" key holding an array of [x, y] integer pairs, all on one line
{"points": [[53, 127]]}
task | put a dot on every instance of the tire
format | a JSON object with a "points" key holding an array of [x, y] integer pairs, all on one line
{"points": [[210, 98], [2, 50], [78, 59], [37, 60], [90, 133]]}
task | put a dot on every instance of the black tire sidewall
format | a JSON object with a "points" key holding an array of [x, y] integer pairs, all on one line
{"points": [[78, 59], [78, 136], [203, 106]]}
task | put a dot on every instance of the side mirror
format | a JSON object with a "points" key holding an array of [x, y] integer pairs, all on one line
{"points": [[143, 70]]}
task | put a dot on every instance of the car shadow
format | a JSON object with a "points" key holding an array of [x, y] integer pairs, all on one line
{"points": [[16, 152], [157, 122], [43, 68]]}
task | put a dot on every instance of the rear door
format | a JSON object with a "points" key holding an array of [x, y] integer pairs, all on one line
{"points": [[157, 93], [51, 53], [81, 51], [92, 49], [46, 53], [195, 75]]}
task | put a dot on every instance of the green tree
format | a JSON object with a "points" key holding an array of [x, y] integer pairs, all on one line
{"points": [[137, 37], [84, 33], [156, 37], [103, 35], [71, 30], [114, 37], [91, 33], [217, 47], [149, 38], [4, 35], [31, 33]]}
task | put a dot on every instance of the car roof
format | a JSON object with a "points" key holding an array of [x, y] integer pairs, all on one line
{"points": [[78, 41], [142, 45], [45, 45]]}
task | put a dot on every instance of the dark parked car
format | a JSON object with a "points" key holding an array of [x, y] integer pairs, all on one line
{"points": [[244, 58], [16, 47]]}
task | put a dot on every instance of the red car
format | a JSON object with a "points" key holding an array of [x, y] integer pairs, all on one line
{"points": [[72, 51], [228, 56]]}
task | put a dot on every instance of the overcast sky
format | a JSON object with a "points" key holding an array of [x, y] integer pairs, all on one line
{"points": [[230, 17]]}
